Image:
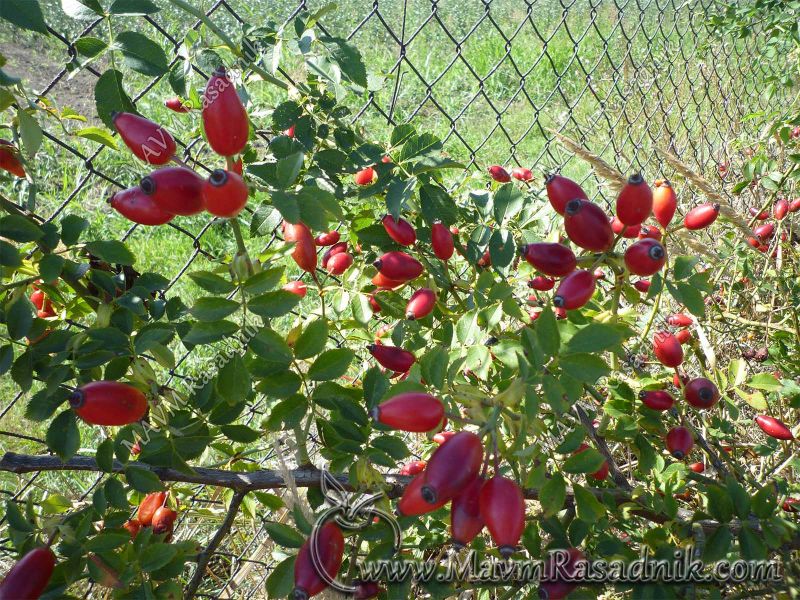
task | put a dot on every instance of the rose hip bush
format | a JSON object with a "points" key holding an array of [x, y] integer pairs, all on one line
{"points": [[517, 365]]}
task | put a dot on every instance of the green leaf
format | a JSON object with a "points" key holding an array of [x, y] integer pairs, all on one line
{"points": [[285, 115], [71, 228], [26, 14], [63, 436], [280, 582], [740, 498], [16, 519], [213, 309], [401, 134], [111, 251], [288, 169], [83, 10], [108, 540], [553, 494], [765, 381], [50, 267], [211, 282], [349, 60], [689, 296], [587, 507], [233, 381], [331, 364], [133, 8], [719, 503], [156, 556], [90, 47], [6, 358], [20, 229], [110, 96], [547, 334], [142, 54], [437, 205], [434, 366], [270, 344], [273, 304], [263, 281], [717, 544], [98, 135], [287, 205], [19, 318], [418, 145], [585, 461], [508, 201], [143, 480], [684, 266], [751, 543], [501, 248], [9, 257], [596, 337], [205, 333], [105, 455], [587, 368], [240, 433], [398, 193], [283, 535], [30, 133], [152, 334], [313, 339]]}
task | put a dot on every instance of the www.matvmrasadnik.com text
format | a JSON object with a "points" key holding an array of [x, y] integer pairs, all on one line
{"points": [[684, 569]]}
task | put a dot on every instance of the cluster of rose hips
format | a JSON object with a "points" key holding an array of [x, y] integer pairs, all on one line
{"points": [[178, 190], [762, 234]]}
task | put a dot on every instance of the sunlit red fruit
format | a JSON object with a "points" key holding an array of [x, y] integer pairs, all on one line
{"points": [[587, 226], [656, 399], [339, 263], [224, 193], [556, 260], [176, 190], [442, 241], [410, 411], [561, 190], [697, 467], [164, 520], [9, 159], [398, 266], [575, 290], [421, 304], [412, 503], [399, 230], [619, 228], [224, 116], [502, 507], [765, 231], [642, 285], [645, 257], [780, 209], [177, 105], [441, 437], [664, 202], [148, 507], [774, 428], [635, 201], [762, 215], [298, 288], [680, 320], [683, 336], [109, 403], [136, 206], [466, 521], [329, 238], [305, 250], [667, 349], [650, 231], [701, 216], [414, 467], [541, 283], [391, 357], [329, 546], [148, 141]]}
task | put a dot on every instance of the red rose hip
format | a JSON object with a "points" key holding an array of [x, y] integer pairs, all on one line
{"points": [[587, 226], [575, 290], [224, 116], [561, 190], [635, 201], [701, 393], [410, 411], [502, 507], [109, 403], [452, 467], [679, 442]]}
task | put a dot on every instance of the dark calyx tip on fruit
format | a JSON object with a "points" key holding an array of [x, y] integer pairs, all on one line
{"points": [[716, 207], [76, 399], [378, 264], [375, 413], [506, 551], [573, 206], [636, 179], [642, 394], [656, 252], [457, 545], [114, 115], [558, 301], [148, 185], [543, 595], [428, 494], [299, 594], [678, 454], [221, 71], [410, 316], [218, 177], [548, 177], [370, 347], [523, 248], [705, 394]]}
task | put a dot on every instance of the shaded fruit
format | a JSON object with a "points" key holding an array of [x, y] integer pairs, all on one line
{"points": [[414, 467], [364, 176], [542, 284], [680, 320], [452, 467], [679, 442], [643, 285], [9, 159], [650, 231], [667, 349], [587, 226], [555, 583], [773, 427], [701, 216], [656, 399], [29, 576], [575, 290], [298, 288], [442, 241], [411, 503], [329, 549], [136, 206], [498, 173], [421, 304], [327, 239], [133, 526], [602, 472], [465, 514], [224, 193], [109, 403], [398, 266], [176, 190], [635, 201], [561, 190], [410, 411], [391, 357], [366, 590], [556, 260], [164, 520], [780, 209], [502, 507], [148, 141], [148, 507], [645, 257], [701, 393], [521, 173], [627, 231], [399, 230], [224, 116], [664, 202]]}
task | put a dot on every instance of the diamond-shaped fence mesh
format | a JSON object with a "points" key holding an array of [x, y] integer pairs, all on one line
{"points": [[492, 78]]}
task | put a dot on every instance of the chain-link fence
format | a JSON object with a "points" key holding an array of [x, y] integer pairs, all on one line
{"points": [[493, 79]]}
